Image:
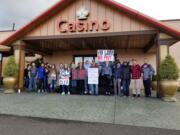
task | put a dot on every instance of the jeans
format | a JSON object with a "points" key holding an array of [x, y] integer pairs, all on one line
{"points": [[40, 84], [65, 88], [86, 84], [26, 82], [94, 89], [52, 85], [117, 86], [45, 83], [32, 83], [73, 83], [126, 87], [80, 86], [147, 87], [107, 80]]}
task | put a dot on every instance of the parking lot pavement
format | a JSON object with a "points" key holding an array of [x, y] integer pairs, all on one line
{"points": [[143, 112], [12, 125]]}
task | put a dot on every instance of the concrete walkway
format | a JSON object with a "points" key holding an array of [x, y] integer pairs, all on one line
{"points": [[147, 112]]}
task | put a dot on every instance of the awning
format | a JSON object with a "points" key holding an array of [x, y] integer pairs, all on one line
{"points": [[4, 48]]}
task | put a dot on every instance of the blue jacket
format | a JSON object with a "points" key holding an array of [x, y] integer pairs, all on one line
{"points": [[117, 72], [147, 71], [40, 73], [107, 70]]}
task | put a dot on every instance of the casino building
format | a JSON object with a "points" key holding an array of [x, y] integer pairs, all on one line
{"points": [[76, 29]]}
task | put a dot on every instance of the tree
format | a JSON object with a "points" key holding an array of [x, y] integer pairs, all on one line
{"points": [[168, 69]]}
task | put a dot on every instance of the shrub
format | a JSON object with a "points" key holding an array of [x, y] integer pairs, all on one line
{"points": [[11, 67], [168, 69]]}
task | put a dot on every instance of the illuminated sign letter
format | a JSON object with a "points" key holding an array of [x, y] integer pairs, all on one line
{"points": [[60, 26], [106, 25]]}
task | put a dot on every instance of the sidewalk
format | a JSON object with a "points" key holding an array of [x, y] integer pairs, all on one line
{"points": [[147, 112]]}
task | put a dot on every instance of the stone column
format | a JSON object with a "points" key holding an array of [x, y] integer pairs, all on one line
{"points": [[19, 54], [162, 52]]}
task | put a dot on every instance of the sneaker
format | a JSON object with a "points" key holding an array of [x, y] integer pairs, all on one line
{"points": [[63, 93], [85, 92], [39, 91], [138, 95], [69, 93]]}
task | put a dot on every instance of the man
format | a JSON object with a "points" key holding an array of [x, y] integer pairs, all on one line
{"points": [[33, 74], [107, 74], [147, 71], [86, 66], [135, 78], [117, 69], [94, 87], [126, 76], [40, 77]]}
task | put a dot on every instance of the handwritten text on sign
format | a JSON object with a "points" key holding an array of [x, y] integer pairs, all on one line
{"points": [[105, 55], [93, 76], [64, 81]]}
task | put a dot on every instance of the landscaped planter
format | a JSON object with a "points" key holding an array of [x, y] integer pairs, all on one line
{"points": [[10, 74], [9, 84], [169, 90]]}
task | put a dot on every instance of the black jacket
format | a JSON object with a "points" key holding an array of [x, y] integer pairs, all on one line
{"points": [[126, 72]]}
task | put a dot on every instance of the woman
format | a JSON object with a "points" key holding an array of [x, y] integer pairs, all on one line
{"points": [[80, 78], [64, 80], [27, 76], [73, 76], [52, 77], [61, 66], [46, 74], [107, 73]]}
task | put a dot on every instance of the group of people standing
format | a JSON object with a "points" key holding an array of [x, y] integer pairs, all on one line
{"points": [[73, 78]]}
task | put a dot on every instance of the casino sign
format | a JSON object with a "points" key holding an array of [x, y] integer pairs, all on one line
{"points": [[82, 25]]}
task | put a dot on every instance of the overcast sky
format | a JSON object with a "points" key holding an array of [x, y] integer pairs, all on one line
{"points": [[22, 11]]}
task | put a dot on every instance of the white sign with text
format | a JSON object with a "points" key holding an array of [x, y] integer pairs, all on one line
{"points": [[105, 55], [93, 76]]}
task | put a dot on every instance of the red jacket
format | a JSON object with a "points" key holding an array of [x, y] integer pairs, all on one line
{"points": [[81, 73], [135, 71], [74, 74]]}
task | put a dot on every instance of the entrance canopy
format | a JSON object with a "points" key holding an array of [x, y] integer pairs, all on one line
{"points": [[119, 40]]}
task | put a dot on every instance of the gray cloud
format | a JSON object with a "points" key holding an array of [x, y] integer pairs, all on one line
{"points": [[21, 11]]}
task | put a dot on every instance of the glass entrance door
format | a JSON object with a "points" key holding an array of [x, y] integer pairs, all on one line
{"points": [[90, 59]]}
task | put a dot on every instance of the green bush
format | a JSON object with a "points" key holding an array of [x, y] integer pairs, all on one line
{"points": [[168, 69], [11, 67]]}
